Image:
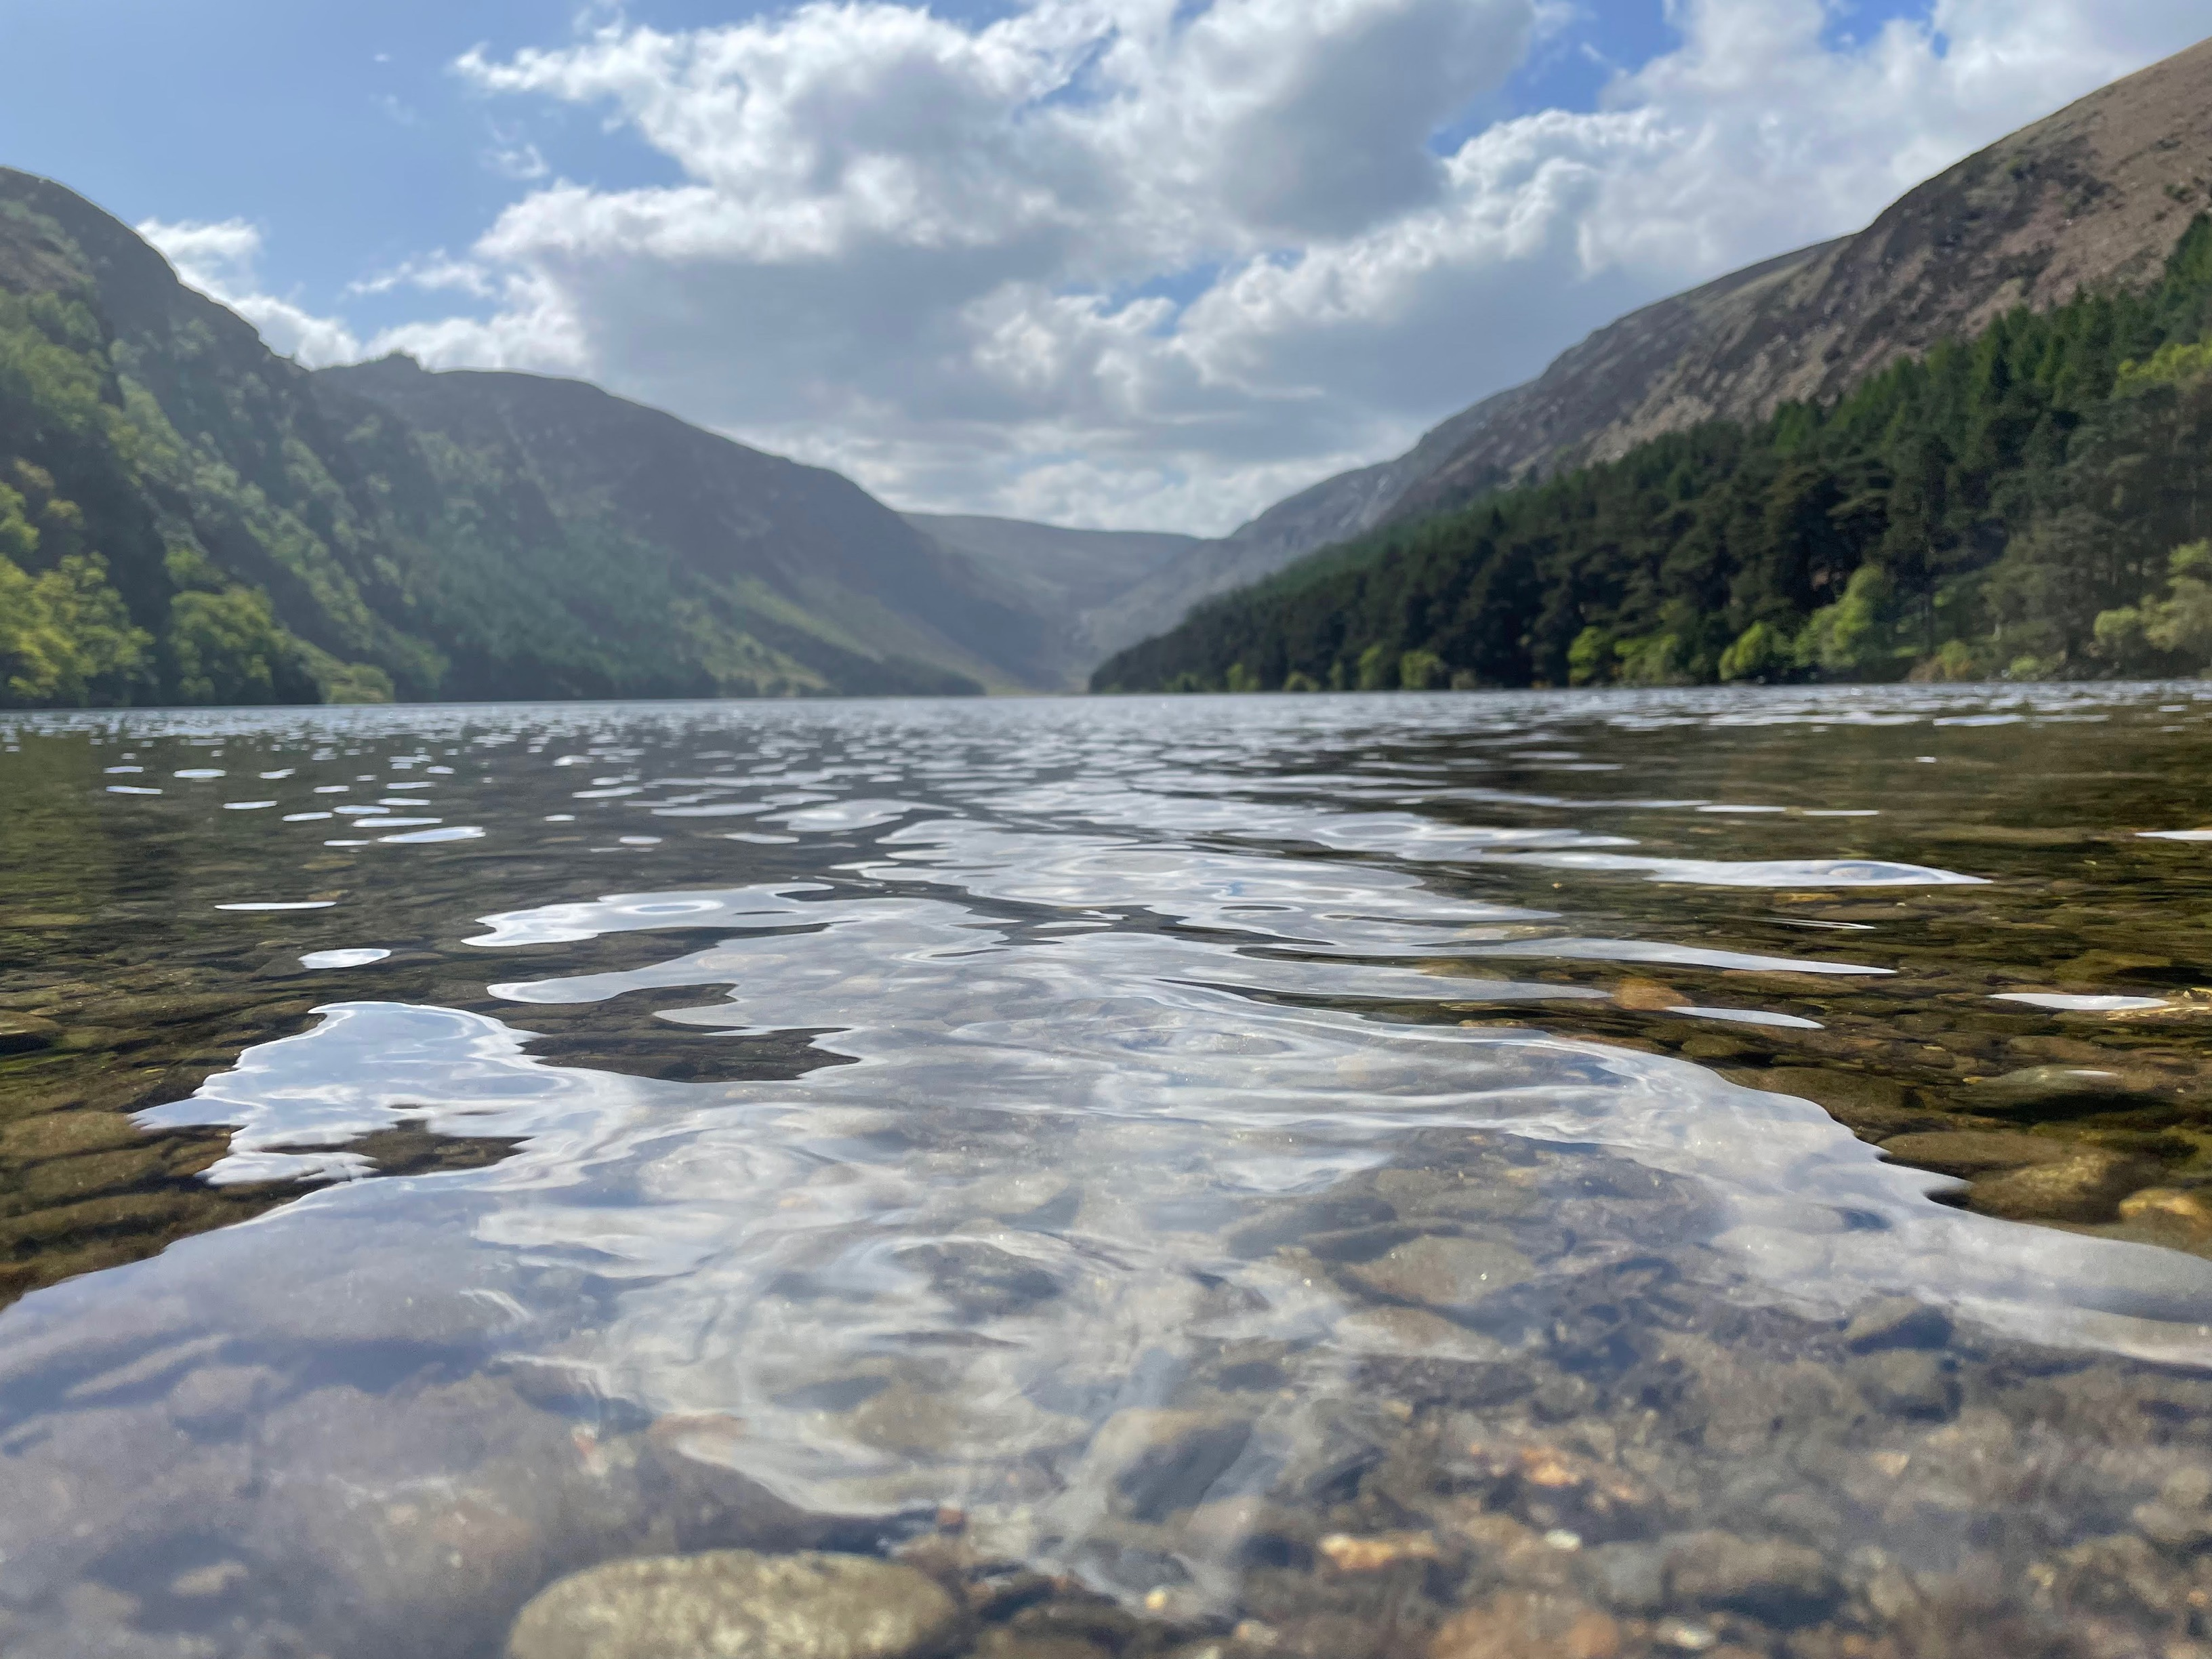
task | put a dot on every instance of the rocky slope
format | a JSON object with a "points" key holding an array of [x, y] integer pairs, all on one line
{"points": [[2096, 197]]}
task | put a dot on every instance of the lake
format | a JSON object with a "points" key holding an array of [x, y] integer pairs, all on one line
{"points": [[1493, 1176]]}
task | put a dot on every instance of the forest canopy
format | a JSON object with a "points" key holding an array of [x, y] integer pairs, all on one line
{"points": [[2030, 503]]}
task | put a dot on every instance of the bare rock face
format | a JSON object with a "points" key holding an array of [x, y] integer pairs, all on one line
{"points": [[736, 1604]]}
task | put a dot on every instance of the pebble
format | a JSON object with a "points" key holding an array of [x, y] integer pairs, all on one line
{"points": [[1647, 995], [1349, 1555], [2170, 1207], [738, 1604]]}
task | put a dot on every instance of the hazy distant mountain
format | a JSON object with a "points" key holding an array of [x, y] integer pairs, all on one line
{"points": [[185, 516], [800, 559], [1078, 580], [2095, 195]]}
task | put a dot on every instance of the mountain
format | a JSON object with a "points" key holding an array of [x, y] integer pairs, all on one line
{"points": [[2094, 197], [1080, 581], [187, 517], [1973, 441], [806, 563]]}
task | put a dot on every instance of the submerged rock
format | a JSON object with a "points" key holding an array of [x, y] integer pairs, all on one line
{"points": [[21, 1033], [1897, 1321], [2172, 1207], [2058, 1092], [1519, 1626], [737, 1604], [1904, 1383], [1438, 1271], [1781, 1583], [2086, 1187], [1160, 1462], [1969, 1154]]}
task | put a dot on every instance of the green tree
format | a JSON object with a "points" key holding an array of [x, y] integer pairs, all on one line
{"points": [[226, 648], [65, 639]]}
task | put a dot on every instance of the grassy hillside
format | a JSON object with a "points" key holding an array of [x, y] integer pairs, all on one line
{"points": [[2032, 501], [185, 518]]}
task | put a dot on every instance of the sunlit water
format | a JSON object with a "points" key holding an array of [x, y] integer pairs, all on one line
{"points": [[1170, 1134]]}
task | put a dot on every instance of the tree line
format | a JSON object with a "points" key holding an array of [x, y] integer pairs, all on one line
{"points": [[2029, 502]]}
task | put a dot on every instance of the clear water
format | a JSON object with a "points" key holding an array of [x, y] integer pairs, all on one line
{"points": [[1282, 1174]]}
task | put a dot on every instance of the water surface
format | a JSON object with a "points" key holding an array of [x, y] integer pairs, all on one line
{"points": [[1314, 1175]]}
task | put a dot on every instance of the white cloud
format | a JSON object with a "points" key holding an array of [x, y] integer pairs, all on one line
{"points": [[1135, 262], [220, 260], [513, 157]]}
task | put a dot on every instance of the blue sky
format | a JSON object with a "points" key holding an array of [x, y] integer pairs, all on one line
{"points": [[346, 137]]}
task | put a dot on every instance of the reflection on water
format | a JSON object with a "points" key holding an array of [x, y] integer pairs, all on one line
{"points": [[1474, 1175]]}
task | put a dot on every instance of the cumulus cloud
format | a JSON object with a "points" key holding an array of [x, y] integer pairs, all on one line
{"points": [[1143, 262], [221, 261]]}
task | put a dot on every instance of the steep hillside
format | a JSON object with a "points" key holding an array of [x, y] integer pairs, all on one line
{"points": [[2094, 197], [1079, 580], [542, 478], [2034, 502], [185, 517]]}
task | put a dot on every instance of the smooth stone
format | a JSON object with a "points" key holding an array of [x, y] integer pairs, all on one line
{"points": [[2087, 1188], [1785, 1584], [2186, 1531], [2170, 1207], [1440, 1271], [1969, 1153], [1160, 1462], [1293, 1221], [981, 1280], [2178, 1519], [72, 1180], [20, 1034], [62, 1134], [2058, 1090], [738, 1604], [1631, 1577], [1349, 1553], [1518, 1624], [1906, 1383], [1897, 1322]]}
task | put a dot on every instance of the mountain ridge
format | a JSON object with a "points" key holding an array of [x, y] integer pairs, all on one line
{"points": [[186, 516], [2095, 195]]}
